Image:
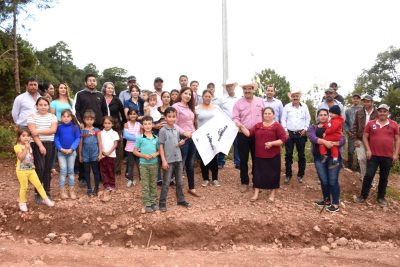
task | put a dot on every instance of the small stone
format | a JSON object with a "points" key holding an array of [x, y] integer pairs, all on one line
{"points": [[113, 226], [52, 236], [325, 249], [128, 244], [17, 228], [47, 240], [99, 219], [129, 232], [330, 240], [85, 238], [163, 248], [41, 216], [342, 241], [32, 242], [63, 240], [317, 229], [333, 245]]}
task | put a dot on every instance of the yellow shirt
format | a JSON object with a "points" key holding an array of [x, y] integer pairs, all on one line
{"points": [[27, 163]]}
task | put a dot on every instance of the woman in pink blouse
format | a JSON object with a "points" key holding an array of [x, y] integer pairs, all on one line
{"points": [[185, 123], [269, 136]]}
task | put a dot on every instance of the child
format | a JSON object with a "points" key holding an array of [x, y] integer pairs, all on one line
{"points": [[171, 159], [332, 133], [174, 96], [26, 170], [146, 148], [90, 151], [131, 132], [109, 142], [42, 126], [151, 109], [67, 141], [135, 102]]}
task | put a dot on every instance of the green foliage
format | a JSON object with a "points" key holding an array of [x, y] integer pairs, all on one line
{"points": [[115, 75], [7, 138], [269, 76]]}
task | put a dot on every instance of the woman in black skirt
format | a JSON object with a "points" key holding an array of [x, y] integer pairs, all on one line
{"points": [[269, 135]]}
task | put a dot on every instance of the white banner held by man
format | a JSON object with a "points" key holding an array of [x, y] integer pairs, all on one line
{"points": [[216, 135]]}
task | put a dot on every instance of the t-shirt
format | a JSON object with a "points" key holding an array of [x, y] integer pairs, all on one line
{"points": [[27, 163], [147, 146], [43, 122], [59, 107], [169, 137], [107, 140], [381, 137]]}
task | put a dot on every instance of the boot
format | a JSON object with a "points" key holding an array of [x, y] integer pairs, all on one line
{"points": [[72, 192], [63, 193]]}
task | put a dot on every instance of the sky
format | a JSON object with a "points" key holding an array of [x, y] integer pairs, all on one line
{"points": [[310, 42]]}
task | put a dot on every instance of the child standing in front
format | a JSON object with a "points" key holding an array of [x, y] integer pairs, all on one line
{"points": [[131, 132], [146, 148], [109, 142], [90, 151], [171, 159], [67, 141], [26, 170]]}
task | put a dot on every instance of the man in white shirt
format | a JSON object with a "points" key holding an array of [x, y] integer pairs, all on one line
{"points": [[272, 102], [126, 94], [295, 121], [158, 88], [25, 104]]}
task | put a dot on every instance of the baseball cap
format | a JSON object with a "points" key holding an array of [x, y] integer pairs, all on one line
{"points": [[356, 94], [329, 90], [131, 78], [367, 97], [383, 106], [158, 79]]}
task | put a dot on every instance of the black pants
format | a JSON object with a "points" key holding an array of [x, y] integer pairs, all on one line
{"points": [[94, 165], [384, 164], [295, 139], [245, 146], [211, 166], [43, 164]]}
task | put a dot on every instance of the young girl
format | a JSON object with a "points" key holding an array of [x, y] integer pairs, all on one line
{"points": [[152, 110], [67, 141], [90, 151], [166, 100], [174, 96], [109, 143], [135, 102], [43, 126], [131, 132], [26, 170]]}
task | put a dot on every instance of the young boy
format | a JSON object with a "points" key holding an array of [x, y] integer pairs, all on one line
{"points": [[146, 148], [171, 159], [332, 133]]}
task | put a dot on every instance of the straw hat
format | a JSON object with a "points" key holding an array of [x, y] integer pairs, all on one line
{"points": [[250, 83], [229, 82], [295, 92]]}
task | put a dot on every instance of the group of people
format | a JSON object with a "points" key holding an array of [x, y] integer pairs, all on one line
{"points": [[152, 129]]}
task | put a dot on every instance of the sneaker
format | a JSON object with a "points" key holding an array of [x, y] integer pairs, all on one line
{"points": [[359, 199], [204, 183], [38, 199], [159, 183], [216, 183], [193, 192], [130, 183], [332, 208], [184, 204], [333, 164], [89, 193], [324, 158], [163, 208], [148, 209], [244, 188], [382, 202], [23, 207], [322, 203], [154, 207], [48, 202], [82, 183], [95, 192], [287, 179], [172, 183], [300, 179]]}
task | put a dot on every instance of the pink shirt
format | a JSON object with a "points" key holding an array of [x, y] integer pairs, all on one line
{"points": [[184, 118], [132, 129], [248, 112]]}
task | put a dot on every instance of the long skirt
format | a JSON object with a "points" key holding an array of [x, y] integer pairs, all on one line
{"points": [[267, 172]]}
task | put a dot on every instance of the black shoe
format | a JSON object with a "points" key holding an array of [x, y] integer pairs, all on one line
{"points": [[334, 164], [95, 192], [172, 183], [324, 158], [154, 207], [89, 193], [287, 179], [184, 204], [300, 179], [82, 183], [382, 202], [237, 167], [38, 199], [148, 209], [163, 208], [159, 183], [360, 199], [322, 203], [220, 166], [332, 208]]}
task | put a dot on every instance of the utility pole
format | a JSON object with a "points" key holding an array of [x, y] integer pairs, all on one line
{"points": [[225, 70]]}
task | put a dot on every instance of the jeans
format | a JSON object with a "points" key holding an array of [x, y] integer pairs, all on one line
{"points": [[329, 179], [246, 146], [299, 141], [211, 166], [188, 151], [175, 169], [94, 165], [131, 161], [43, 164], [67, 163], [148, 181], [384, 164], [236, 158], [362, 158]]}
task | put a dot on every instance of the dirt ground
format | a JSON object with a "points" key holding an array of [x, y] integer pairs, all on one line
{"points": [[223, 228]]}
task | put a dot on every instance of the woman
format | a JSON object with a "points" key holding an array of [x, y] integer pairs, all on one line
{"points": [[329, 178], [269, 136], [174, 96], [166, 101], [135, 102], [204, 112], [61, 100], [185, 123], [116, 110]]}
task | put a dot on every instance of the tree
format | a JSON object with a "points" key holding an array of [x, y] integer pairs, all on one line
{"points": [[269, 76], [115, 75]]}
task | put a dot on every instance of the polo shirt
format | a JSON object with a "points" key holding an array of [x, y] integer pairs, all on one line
{"points": [[381, 137], [147, 146], [184, 118], [169, 137]]}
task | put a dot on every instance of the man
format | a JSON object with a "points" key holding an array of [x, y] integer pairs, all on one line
{"points": [[183, 81], [381, 141], [194, 85], [295, 121], [25, 104], [330, 101], [348, 125], [211, 88], [158, 86], [337, 96], [274, 103], [362, 117], [126, 94], [226, 104], [247, 112]]}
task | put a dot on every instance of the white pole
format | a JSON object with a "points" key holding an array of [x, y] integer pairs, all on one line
{"points": [[225, 70]]}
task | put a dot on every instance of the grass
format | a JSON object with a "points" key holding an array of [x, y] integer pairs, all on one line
{"points": [[393, 193]]}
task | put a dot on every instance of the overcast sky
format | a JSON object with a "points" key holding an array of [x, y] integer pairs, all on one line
{"points": [[310, 41]]}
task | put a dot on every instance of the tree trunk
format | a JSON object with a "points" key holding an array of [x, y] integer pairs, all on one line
{"points": [[16, 52]]}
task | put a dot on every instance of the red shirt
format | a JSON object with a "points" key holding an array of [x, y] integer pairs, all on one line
{"points": [[333, 130], [263, 134], [381, 139]]}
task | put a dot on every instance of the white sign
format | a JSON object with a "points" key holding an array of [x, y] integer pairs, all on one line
{"points": [[216, 135]]}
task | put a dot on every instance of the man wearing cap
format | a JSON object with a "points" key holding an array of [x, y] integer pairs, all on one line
{"points": [[126, 94], [329, 101], [295, 121], [158, 86], [226, 103], [247, 113], [381, 140], [271, 101], [334, 87], [348, 127], [362, 117], [183, 81]]}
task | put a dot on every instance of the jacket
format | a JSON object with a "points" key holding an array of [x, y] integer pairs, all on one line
{"points": [[333, 130], [94, 100], [116, 109], [359, 123]]}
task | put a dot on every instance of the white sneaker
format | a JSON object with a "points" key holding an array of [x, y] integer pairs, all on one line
{"points": [[129, 183], [23, 207], [48, 202], [204, 183], [216, 183]]}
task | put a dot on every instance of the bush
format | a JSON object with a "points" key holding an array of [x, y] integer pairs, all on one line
{"points": [[7, 139]]}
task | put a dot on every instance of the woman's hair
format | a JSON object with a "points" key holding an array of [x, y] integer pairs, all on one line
{"points": [[132, 110], [206, 91], [74, 120], [322, 109], [191, 101], [134, 86], [163, 93], [57, 92], [20, 132], [264, 109], [103, 89], [44, 99], [169, 110]]}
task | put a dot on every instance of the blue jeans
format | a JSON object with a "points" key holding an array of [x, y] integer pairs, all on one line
{"points": [[236, 159], [188, 151], [329, 179], [67, 163]]}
